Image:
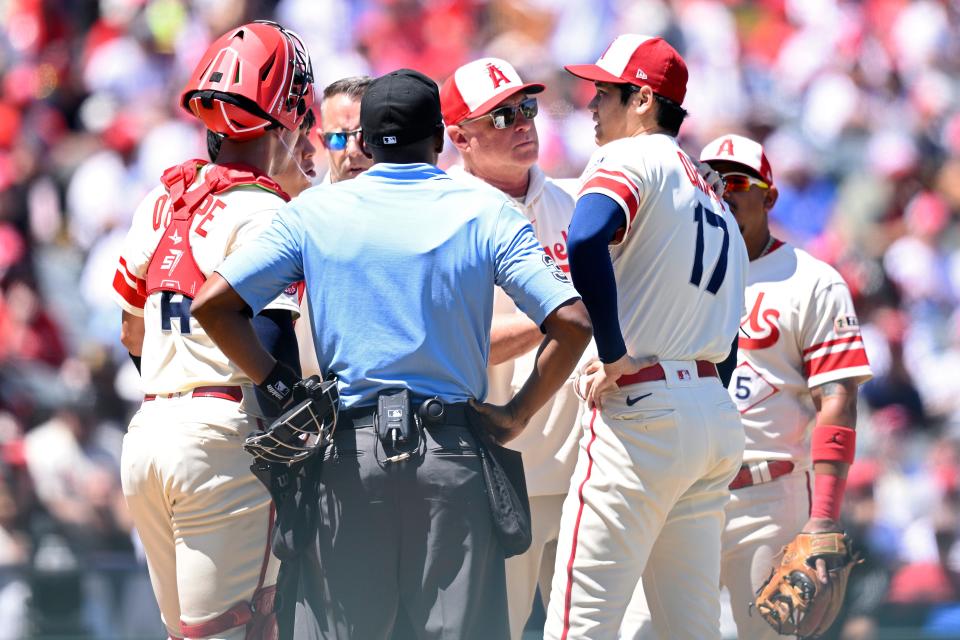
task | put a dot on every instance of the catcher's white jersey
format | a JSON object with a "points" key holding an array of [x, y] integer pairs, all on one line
{"points": [[549, 443], [177, 354], [800, 331], [688, 313]]}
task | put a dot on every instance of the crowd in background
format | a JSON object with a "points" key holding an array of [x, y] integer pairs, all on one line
{"points": [[857, 102]]}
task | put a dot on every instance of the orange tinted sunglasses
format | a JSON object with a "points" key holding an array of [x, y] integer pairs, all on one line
{"points": [[737, 182]]}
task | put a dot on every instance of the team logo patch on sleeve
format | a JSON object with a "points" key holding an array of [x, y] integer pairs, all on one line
{"points": [[846, 324], [291, 289], [557, 272]]}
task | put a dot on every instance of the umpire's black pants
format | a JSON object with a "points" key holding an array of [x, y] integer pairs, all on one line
{"points": [[402, 548]]}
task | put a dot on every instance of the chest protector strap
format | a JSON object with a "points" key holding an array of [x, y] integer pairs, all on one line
{"points": [[173, 267]]}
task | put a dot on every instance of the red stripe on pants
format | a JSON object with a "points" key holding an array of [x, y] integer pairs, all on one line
{"points": [[576, 531]]}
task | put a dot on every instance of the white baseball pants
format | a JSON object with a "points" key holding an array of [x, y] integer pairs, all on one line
{"points": [[647, 499], [203, 517], [761, 519]]}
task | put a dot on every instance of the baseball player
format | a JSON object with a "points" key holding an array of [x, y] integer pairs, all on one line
{"points": [[489, 112], [800, 363], [203, 518], [661, 266]]}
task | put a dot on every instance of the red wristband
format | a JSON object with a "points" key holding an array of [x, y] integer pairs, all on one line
{"points": [[832, 443], [827, 496]]}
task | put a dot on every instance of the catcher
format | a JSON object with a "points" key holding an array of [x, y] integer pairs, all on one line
{"points": [[785, 559], [204, 519]]}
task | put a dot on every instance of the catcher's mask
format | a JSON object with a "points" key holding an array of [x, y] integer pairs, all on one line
{"points": [[302, 430]]}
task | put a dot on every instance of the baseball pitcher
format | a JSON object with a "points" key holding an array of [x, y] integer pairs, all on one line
{"points": [[661, 266]]}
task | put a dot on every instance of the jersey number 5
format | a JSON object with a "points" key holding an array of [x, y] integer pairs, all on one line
{"points": [[701, 215]]}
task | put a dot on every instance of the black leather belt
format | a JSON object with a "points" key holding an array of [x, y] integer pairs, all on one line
{"points": [[360, 417]]}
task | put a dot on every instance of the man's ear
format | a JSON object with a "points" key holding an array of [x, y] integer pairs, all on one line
{"points": [[363, 146], [770, 198], [458, 137], [642, 101], [438, 141]]}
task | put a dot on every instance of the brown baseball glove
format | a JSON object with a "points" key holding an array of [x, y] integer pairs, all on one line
{"points": [[793, 600]]}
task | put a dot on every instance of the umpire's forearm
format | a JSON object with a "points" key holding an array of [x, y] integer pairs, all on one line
{"points": [[224, 316], [568, 332]]}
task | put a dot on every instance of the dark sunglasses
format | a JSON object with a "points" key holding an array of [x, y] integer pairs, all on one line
{"points": [[337, 140], [504, 117]]}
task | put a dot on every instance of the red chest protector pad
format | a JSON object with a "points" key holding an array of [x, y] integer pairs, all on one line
{"points": [[172, 267]]}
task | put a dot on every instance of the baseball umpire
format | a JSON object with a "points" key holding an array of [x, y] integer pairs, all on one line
{"points": [[400, 264], [490, 113], [661, 266], [204, 519]]}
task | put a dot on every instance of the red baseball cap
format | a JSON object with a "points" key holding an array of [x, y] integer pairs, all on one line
{"points": [[643, 61], [477, 87], [734, 148]]}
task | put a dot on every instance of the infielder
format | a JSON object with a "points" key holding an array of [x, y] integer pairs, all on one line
{"points": [[801, 361], [489, 112], [661, 266], [204, 519]]}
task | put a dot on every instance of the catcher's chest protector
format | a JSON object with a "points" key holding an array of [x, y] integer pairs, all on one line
{"points": [[172, 267]]}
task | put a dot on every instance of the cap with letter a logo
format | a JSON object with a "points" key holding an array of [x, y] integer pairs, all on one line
{"points": [[740, 150], [643, 61], [479, 86]]}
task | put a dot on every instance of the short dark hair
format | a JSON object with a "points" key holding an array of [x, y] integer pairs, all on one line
{"points": [[214, 142], [354, 86], [670, 114]]}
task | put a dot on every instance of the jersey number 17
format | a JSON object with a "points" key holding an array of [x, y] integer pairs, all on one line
{"points": [[703, 215]]}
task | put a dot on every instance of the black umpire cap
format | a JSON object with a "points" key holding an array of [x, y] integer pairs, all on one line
{"points": [[400, 108]]}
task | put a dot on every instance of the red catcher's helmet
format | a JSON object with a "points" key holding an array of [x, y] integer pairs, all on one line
{"points": [[254, 76]]}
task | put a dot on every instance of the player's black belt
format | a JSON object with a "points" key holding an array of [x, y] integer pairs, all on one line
{"points": [[656, 372], [361, 417], [752, 473]]}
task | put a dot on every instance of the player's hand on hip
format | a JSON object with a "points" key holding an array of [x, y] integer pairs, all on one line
{"points": [[600, 379], [501, 420], [822, 525]]}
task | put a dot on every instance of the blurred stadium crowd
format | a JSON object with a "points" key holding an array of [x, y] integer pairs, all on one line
{"points": [[858, 104]]}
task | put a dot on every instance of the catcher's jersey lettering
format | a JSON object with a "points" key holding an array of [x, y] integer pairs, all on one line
{"points": [[671, 217], [161, 212], [170, 308], [792, 339], [177, 354]]}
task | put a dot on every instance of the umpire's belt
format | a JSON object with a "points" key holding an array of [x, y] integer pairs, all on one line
{"points": [[224, 393], [360, 417], [655, 372], [752, 473]]}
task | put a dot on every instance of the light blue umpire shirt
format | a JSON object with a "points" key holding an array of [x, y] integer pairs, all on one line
{"points": [[399, 265]]}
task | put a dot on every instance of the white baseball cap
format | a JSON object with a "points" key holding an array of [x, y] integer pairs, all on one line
{"points": [[734, 148], [642, 61], [477, 87]]}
